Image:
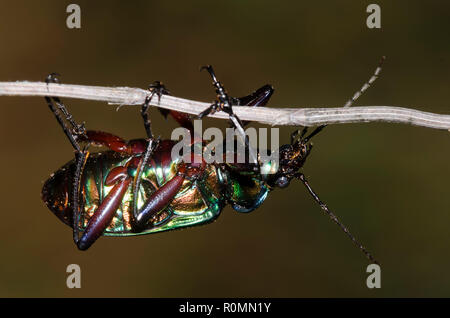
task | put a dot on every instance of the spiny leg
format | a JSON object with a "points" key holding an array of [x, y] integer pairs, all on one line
{"points": [[159, 199], [73, 132], [144, 114], [80, 161], [350, 102], [183, 119], [238, 125], [258, 98], [225, 103], [210, 110], [151, 146], [104, 214], [156, 88], [118, 178], [80, 154], [333, 217], [53, 78], [77, 128]]}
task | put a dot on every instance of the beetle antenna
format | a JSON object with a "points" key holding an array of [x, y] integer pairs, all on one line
{"points": [[366, 84], [350, 102], [333, 217]]}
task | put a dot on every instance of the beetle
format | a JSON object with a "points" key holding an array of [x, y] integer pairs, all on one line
{"points": [[136, 187]]}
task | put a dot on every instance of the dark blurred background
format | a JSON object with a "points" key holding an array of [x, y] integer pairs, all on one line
{"points": [[387, 182]]}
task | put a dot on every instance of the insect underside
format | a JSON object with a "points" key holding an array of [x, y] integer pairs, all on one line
{"points": [[136, 187]]}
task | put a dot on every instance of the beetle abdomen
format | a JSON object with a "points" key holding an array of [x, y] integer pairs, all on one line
{"points": [[197, 202]]}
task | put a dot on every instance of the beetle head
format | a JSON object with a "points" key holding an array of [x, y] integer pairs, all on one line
{"points": [[292, 157]]}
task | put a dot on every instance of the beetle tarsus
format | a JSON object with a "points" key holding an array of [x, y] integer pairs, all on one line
{"points": [[76, 130], [225, 103], [156, 88], [209, 111]]}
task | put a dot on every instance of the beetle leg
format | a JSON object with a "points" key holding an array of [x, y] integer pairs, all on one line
{"points": [[80, 155], [260, 97], [225, 103], [118, 177], [76, 129], [80, 161], [113, 142], [104, 214], [162, 197], [140, 168], [156, 88], [158, 201], [159, 89], [183, 119], [210, 110]]}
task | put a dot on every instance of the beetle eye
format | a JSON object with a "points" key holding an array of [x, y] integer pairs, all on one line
{"points": [[282, 182]]}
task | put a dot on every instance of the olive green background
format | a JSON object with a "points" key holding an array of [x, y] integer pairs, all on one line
{"points": [[387, 182]]}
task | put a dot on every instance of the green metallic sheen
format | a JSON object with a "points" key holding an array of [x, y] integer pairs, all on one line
{"points": [[198, 201]]}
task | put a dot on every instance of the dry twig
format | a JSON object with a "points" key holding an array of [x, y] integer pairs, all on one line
{"points": [[265, 115]]}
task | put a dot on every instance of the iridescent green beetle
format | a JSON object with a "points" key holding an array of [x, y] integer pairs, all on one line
{"points": [[137, 187]]}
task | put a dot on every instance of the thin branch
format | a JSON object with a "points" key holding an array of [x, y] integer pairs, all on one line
{"points": [[265, 115]]}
